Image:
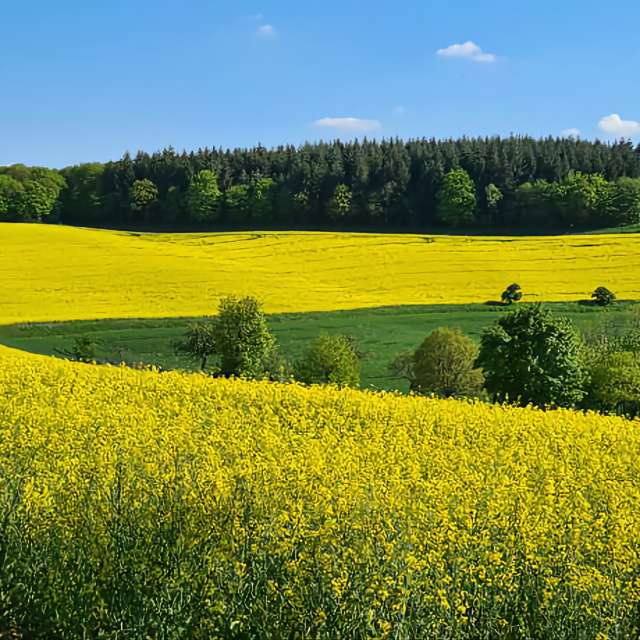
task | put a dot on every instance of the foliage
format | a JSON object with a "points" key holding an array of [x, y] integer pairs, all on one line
{"points": [[83, 198], [444, 365], [614, 384], [174, 506], [550, 182], [340, 203], [29, 193], [457, 198], [82, 350], [203, 197], [10, 190], [199, 343], [243, 342], [513, 293], [143, 196], [493, 197], [529, 356], [329, 359], [624, 201], [603, 297]]}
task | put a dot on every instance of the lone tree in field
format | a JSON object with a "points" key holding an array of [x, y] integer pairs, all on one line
{"points": [[82, 350], [443, 365], [513, 293], [330, 359], [457, 203], [199, 343], [243, 342], [603, 297], [532, 357]]}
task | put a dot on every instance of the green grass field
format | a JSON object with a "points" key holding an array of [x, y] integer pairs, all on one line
{"points": [[381, 333]]}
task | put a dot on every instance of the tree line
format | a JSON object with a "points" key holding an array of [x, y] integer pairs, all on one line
{"points": [[503, 182]]}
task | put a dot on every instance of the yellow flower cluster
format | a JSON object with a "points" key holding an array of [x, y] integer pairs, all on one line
{"points": [[66, 273], [249, 509]]}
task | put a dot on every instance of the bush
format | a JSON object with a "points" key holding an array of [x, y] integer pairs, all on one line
{"points": [[603, 297], [330, 359], [243, 342], [513, 293], [614, 385], [532, 357], [443, 365]]}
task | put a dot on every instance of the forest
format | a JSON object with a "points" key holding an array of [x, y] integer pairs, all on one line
{"points": [[514, 182]]}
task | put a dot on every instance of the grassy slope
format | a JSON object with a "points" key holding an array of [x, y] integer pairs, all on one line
{"points": [[382, 333]]}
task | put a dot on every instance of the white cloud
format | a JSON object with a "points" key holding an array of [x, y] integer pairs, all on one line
{"points": [[399, 110], [468, 50], [266, 31], [257, 17], [614, 125], [349, 124], [571, 132]]}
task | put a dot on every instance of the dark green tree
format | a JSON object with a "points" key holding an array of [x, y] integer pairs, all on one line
{"points": [[603, 297], [513, 293], [532, 357]]}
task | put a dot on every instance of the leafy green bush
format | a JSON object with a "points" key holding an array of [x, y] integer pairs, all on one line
{"points": [[443, 365], [330, 359], [243, 342]]}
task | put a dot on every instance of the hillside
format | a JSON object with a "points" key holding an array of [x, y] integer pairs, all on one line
{"points": [[58, 273], [185, 502]]}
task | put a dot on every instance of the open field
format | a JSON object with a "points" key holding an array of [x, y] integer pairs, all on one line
{"points": [[175, 505], [64, 273], [381, 333]]}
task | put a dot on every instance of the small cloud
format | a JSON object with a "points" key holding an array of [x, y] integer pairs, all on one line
{"points": [[614, 125], [399, 110], [360, 125], [468, 50], [571, 132], [266, 31], [256, 17]]}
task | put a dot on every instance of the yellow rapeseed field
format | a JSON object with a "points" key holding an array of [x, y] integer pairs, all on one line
{"points": [[62, 273], [140, 504]]}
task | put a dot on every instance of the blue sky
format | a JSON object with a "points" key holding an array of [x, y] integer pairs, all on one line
{"points": [[85, 81]]}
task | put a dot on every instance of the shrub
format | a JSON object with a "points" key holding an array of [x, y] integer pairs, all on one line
{"points": [[330, 359], [243, 342], [513, 293], [603, 297], [444, 365], [532, 357], [614, 385]]}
